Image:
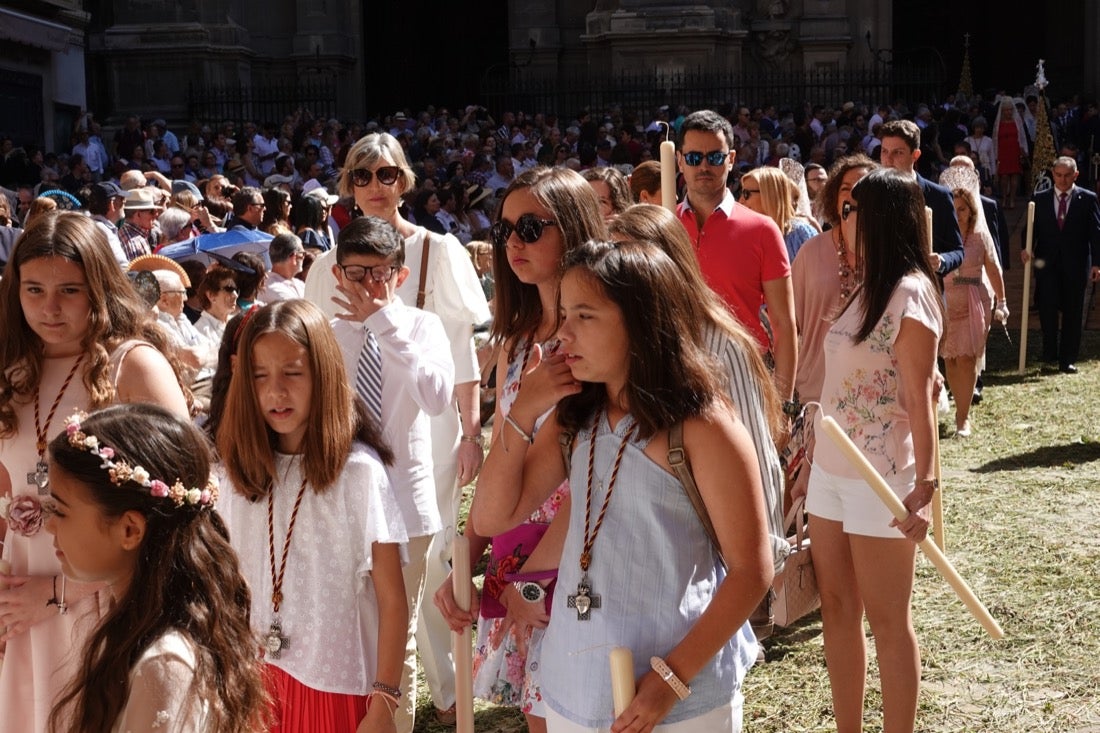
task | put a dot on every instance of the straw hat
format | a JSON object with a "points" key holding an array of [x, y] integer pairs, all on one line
{"points": [[149, 263]]}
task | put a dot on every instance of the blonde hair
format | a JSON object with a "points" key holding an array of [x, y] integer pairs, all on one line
{"points": [[777, 194]]}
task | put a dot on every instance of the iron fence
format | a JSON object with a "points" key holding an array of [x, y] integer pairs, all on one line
{"points": [[515, 89], [261, 102]]}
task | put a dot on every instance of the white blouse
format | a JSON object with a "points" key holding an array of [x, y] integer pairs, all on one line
{"points": [[160, 698], [329, 611]]}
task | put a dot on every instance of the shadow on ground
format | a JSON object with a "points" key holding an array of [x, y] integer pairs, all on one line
{"points": [[1067, 455]]}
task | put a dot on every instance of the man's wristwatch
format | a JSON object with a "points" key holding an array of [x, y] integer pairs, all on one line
{"points": [[477, 439], [531, 592]]}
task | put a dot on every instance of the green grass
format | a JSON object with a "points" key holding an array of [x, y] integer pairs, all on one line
{"points": [[1020, 520]]}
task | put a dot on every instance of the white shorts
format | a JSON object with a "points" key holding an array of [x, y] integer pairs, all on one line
{"points": [[723, 719], [853, 503]]}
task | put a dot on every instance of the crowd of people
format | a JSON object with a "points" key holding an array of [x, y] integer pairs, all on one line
{"points": [[233, 480]]}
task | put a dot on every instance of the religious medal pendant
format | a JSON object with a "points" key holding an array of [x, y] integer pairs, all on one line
{"points": [[40, 478], [275, 641], [584, 600]]}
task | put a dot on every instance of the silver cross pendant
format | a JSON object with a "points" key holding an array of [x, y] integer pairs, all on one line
{"points": [[275, 641], [584, 600]]}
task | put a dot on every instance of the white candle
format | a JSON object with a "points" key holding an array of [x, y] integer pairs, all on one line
{"points": [[463, 651], [928, 226], [830, 427], [668, 175], [622, 678], [5, 569], [1027, 287]]}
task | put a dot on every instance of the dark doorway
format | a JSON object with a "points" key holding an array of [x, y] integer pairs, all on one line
{"points": [[1004, 45], [422, 52]]}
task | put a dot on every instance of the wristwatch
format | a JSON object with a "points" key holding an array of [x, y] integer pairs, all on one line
{"points": [[531, 592], [665, 672]]}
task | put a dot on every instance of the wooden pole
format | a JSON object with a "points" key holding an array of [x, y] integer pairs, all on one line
{"points": [[1025, 307], [928, 547], [463, 649]]}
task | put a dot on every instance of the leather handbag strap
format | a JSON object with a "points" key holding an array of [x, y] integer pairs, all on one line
{"points": [[677, 459], [420, 294]]}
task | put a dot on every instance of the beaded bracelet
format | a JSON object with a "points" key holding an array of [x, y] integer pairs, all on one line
{"points": [[387, 689]]}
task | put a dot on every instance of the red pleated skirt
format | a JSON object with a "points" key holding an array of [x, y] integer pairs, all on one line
{"points": [[301, 709]]}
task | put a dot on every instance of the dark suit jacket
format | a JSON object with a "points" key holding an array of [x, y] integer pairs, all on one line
{"points": [[946, 239], [1072, 250], [998, 227]]}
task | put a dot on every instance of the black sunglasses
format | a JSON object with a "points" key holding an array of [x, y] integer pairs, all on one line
{"points": [[387, 175], [846, 209], [378, 273], [229, 289], [714, 157], [746, 193], [528, 228]]}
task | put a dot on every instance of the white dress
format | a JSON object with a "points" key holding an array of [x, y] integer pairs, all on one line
{"points": [[160, 681]]}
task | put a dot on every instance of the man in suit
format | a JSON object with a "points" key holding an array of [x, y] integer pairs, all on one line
{"points": [[1066, 250], [900, 151]]}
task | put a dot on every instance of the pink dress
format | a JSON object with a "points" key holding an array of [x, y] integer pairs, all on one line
{"points": [[500, 670], [969, 303], [40, 663]]}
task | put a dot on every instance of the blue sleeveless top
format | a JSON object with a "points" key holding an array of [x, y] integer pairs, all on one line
{"points": [[654, 571]]}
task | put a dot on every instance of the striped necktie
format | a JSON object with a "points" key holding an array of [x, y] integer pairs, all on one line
{"points": [[368, 376]]}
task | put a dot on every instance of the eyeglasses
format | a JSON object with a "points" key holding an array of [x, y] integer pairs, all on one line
{"points": [[229, 289], [387, 175], [714, 157], [378, 273], [528, 228], [746, 193], [259, 204], [173, 292], [847, 208], [300, 254]]}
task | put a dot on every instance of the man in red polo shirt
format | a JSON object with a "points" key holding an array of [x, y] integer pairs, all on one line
{"points": [[741, 253]]}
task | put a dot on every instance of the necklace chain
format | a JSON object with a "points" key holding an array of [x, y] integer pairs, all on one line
{"points": [[277, 577], [589, 541], [847, 276], [41, 432]]}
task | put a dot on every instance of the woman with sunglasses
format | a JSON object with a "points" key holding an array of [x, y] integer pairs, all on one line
{"points": [[880, 365], [545, 213], [768, 191], [442, 280], [218, 292]]}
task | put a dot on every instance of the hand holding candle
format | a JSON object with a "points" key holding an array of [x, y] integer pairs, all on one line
{"points": [[830, 427], [622, 678]]}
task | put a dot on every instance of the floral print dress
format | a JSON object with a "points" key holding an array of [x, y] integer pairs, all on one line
{"points": [[502, 674]]}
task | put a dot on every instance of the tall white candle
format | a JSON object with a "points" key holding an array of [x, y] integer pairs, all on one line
{"points": [[1026, 305], [859, 462], [928, 226], [668, 175], [622, 678], [463, 651]]}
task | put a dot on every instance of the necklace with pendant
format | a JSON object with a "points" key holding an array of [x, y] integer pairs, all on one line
{"points": [[584, 600], [40, 477], [276, 641], [847, 275]]}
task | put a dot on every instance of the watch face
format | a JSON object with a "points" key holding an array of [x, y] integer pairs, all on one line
{"points": [[531, 592]]}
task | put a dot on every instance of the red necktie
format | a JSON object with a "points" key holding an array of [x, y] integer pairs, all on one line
{"points": [[1062, 203]]}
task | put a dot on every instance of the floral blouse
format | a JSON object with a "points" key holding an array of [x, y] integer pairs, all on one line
{"points": [[862, 384]]}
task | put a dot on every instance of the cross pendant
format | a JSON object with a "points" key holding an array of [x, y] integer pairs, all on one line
{"points": [[584, 600], [275, 642], [40, 478]]}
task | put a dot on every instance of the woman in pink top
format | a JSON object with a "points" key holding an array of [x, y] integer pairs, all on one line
{"points": [[824, 278], [880, 362]]}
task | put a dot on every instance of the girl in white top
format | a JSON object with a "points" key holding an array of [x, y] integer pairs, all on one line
{"points": [[316, 524], [133, 507]]}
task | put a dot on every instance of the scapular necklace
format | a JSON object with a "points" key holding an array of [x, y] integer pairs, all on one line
{"points": [[584, 600], [275, 641], [40, 476]]}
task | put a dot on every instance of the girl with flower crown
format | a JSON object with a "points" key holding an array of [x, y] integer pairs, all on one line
{"points": [[316, 524], [133, 507], [74, 334]]}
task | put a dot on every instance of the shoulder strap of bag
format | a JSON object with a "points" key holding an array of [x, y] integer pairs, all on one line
{"points": [[677, 459], [420, 294]]}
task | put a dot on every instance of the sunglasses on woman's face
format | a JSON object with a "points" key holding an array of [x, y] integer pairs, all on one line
{"points": [[229, 289], [528, 228], [714, 157], [387, 175], [847, 208], [746, 193]]}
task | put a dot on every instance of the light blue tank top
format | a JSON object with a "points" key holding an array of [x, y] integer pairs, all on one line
{"points": [[654, 573]]}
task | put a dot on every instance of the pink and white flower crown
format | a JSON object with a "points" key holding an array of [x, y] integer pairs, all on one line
{"points": [[121, 472]]}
